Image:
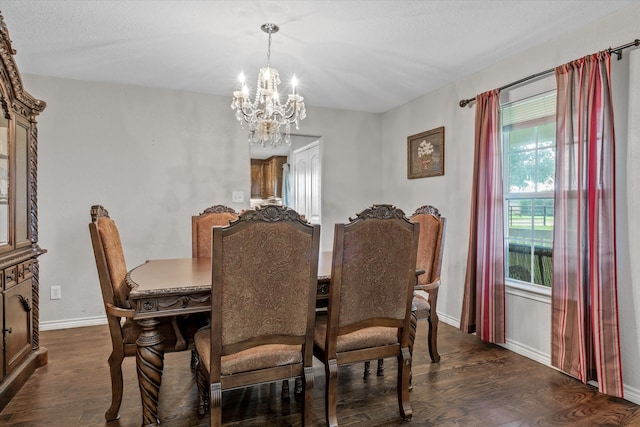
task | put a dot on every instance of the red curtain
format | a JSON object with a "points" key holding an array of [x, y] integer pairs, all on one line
{"points": [[483, 304], [585, 340]]}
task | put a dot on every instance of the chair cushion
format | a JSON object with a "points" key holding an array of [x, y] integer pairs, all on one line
{"points": [[422, 306], [255, 358], [112, 247], [203, 232], [376, 336], [429, 230]]}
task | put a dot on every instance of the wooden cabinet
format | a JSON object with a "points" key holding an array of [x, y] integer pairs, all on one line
{"points": [[257, 179], [21, 353], [266, 177]]}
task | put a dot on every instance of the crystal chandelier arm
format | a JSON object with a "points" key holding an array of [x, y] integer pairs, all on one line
{"points": [[294, 107]]}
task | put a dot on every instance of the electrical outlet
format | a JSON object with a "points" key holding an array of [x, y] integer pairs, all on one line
{"points": [[56, 292], [237, 196]]}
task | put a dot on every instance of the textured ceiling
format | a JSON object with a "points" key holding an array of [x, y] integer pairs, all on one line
{"points": [[355, 54]]}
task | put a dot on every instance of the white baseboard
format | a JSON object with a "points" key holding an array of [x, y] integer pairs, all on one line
{"points": [[73, 323], [449, 320], [631, 394], [528, 352], [514, 346]]}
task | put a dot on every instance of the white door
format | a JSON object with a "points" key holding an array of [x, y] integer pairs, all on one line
{"points": [[305, 176]]}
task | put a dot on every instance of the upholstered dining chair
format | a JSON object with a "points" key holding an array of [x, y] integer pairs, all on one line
{"points": [[369, 306], [429, 264], [263, 296], [214, 216], [112, 270], [201, 225], [430, 250]]}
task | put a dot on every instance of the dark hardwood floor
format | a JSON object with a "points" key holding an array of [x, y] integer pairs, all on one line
{"points": [[475, 384]]}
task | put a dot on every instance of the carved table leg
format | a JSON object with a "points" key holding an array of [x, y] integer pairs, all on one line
{"points": [[149, 364]]}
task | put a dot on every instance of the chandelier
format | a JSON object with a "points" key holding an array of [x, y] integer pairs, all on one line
{"points": [[268, 120]]}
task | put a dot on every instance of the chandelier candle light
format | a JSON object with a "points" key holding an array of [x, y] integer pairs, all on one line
{"points": [[268, 120]]}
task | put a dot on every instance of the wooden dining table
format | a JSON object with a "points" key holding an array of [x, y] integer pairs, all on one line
{"points": [[176, 287]]}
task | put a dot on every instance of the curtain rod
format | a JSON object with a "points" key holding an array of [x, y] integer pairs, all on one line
{"points": [[616, 50]]}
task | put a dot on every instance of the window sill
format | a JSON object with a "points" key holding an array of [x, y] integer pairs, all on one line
{"points": [[526, 290]]}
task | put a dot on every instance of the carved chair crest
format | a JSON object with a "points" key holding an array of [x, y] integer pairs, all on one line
{"points": [[218, 209], [428, 210], [271, 213], [98, 211], [383, 211]]}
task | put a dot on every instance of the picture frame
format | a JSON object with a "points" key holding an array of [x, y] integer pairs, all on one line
{"points": [[425, 154]]}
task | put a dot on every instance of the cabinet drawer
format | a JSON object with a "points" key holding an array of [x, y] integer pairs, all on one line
{"points": [[24, 271], [10, 276]]}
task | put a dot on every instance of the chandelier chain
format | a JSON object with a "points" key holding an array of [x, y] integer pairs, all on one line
{"points": [[269, 52]]}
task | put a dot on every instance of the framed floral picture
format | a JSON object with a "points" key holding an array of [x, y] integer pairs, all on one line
{"points": [[425, 154]]}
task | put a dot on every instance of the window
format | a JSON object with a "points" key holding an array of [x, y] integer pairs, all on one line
{"points": [[529, 140]]}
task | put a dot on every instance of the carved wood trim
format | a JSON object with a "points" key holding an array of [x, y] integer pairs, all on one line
{"points": [[428, 210], [270, 213], [13, 80], [35, 304], [98, 211], [21, 256], [33, 182], [218, 209], [380, 212]]}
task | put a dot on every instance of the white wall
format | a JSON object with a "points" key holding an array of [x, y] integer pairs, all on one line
{"points": [[528, 318], [153, 158]]}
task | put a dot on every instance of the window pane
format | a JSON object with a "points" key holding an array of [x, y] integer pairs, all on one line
{"points": [[519, 262], [547, 135], [545, 169], [521, 170], [543, 221], [519, 220], [522, 139]]}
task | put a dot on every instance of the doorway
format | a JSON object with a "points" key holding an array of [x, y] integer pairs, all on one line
{"points": [[305, 181]]}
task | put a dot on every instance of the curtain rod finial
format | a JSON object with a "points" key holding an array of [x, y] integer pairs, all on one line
{"points": [[464, 102]]}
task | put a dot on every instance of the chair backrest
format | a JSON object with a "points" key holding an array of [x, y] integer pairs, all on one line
{"points": [[107, 249], [373, 271], [431, 243], [214, 216], [264, 280]]}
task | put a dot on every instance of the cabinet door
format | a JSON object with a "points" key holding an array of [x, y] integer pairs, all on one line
{"points": [[269, 189], [257, 178], [17, 311], [2, 324], [276, 166], [273, 175]]}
